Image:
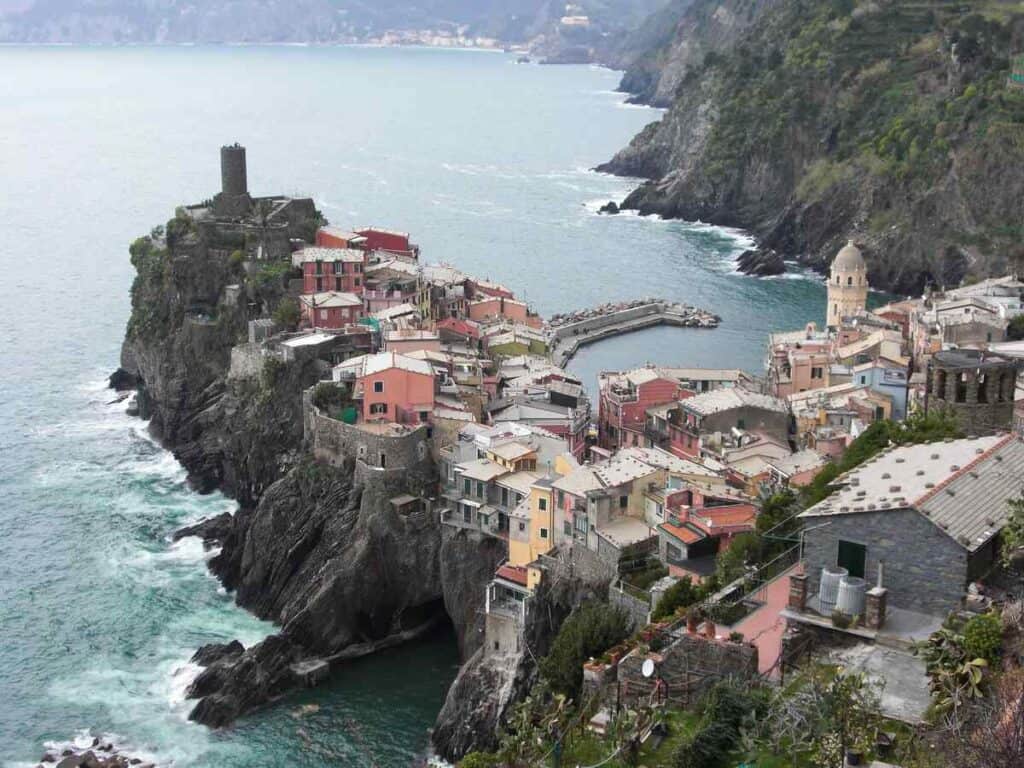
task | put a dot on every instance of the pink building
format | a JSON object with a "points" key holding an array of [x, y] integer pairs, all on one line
{"points": [[330, 309], [624, 400], [498, 307], [393, 387], [331, 269]]}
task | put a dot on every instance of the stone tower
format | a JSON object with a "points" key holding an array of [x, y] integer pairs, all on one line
{"points": [[233, 200], [847, 284], [976, 386]]}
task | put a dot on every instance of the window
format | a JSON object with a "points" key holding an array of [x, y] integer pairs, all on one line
{"points": [[961, 388], [863, 379], [849, 281], [741, 424], [424, 415], [561, 499], [852, 557], [479, 489], [504, 497], [542, 505], [522, 526], [567, 528], [466, 486], [378, 408], [378, 386], [543, 533], [358, 282], [467, 514], [817, 373], [623, 502], [581, 523]]}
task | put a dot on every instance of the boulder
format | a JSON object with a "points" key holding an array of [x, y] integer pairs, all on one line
{"points": [[212, 531], [122, 380], [611, 208], [214, 652], [761, 262]]}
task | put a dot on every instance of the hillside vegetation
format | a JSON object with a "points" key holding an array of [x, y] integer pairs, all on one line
{"points": [[813, 122]]}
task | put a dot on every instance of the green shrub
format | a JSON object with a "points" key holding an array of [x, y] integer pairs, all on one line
{"points": [[328, 395], [726, 707], [591, 629], [682, 594], [287, 313], [273, 371], [479, 760], [983, 637]]}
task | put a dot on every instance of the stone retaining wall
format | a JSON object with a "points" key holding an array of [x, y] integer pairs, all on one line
{"points": [[639, 611]]}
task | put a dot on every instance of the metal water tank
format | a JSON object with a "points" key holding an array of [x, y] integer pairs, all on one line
{"points": [[828, 594], [851, 596]]}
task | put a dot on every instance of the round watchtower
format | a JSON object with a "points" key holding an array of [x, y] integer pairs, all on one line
{"points": [[847, 285], [233, 181], [976, 386]]}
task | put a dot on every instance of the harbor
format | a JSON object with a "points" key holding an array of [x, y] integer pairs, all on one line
{"points": [[568, 332]]}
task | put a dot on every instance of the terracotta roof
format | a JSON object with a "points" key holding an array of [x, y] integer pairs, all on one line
{"points": [[739, 516], [514, 573], [461, 327], [685, 533]]}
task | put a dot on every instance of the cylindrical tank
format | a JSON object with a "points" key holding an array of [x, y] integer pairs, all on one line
{"points": [[233, 179], [828, 593], [851, 596]]}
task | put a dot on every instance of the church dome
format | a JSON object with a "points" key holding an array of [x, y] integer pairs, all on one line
{"points": [[849, 259]]}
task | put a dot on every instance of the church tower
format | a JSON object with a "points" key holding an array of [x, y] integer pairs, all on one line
{"points": [[847, 284]]}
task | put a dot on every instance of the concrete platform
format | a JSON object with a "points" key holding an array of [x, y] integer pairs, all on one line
{"points": [[902, 675]]}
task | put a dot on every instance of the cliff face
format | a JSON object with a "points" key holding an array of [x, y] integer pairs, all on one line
{"points": [[190, 305], [811, 123], [491, 683]]}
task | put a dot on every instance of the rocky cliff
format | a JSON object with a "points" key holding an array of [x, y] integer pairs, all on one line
{"points": [[811, 123], [491, 683], [316, 546]]}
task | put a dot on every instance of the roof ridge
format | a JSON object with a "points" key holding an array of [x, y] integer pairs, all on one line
{"points": [[963, 470]]}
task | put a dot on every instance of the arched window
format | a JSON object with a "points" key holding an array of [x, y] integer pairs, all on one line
{"points": [[940, 384], [849, 280]]}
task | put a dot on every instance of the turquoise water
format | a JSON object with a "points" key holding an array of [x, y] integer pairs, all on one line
{"points": [[483, 160]]}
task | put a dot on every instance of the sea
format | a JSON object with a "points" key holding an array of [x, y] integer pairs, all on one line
{"points": [[485, 161]]}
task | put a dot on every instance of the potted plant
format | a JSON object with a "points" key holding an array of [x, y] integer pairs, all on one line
{"points": [[694, 615]]}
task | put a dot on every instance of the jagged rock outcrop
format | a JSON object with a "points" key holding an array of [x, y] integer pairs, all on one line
{"points": [[325, 556], [468, 561], [490, 684], [783, 120], [761, 262]]}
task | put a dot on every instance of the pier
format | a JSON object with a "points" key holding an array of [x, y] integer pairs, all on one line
{"points": [[568, 332]]}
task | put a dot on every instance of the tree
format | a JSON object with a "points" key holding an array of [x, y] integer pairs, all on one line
{"points": [[592, 629], [1013, 535], [682, 594], [1015, 330], [287, 313]]}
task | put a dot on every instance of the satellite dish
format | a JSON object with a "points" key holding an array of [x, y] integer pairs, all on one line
{"points": [[648, 668]]}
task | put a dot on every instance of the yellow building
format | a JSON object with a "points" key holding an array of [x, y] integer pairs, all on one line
{"points": [[847, 284]]}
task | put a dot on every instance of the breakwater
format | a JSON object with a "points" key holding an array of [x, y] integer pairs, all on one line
{"points": [[568, 332]]}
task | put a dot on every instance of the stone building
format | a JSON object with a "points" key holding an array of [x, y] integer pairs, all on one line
{"points": [[847, 285], [976, 386], [924, 520]]}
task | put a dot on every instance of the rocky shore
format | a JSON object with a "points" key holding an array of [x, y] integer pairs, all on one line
{"points": [[95, 753]]}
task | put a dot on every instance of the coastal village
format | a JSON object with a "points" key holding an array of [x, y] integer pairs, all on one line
{"points": [[666, 481]]}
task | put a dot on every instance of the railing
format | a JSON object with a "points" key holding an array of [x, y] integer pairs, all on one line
{"points": [[753, 589]]}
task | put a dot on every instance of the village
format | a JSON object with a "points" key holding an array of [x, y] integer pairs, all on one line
{"points": [[677, 485]]}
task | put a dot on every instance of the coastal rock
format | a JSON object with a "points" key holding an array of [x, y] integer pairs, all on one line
{"points": [[761, 262], [325, 556], [490, 684], [122, 380], [611, 207], [214, 652], [468, 562], [212, 531]]}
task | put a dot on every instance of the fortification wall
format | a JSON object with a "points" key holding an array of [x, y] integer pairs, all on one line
{"points": [[398, 462]]}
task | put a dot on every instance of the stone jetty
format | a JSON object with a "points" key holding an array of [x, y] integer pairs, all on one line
{"points": [[569, 331]]}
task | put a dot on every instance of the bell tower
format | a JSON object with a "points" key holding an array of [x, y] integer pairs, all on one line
{"points": [[847, 284]]}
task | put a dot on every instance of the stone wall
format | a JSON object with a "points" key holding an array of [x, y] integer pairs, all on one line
{"points": [[603, 321], [639, 611], [924, 569], [984, 403], [576, 563], [400, 459], [691, 664], [247, 361]]}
